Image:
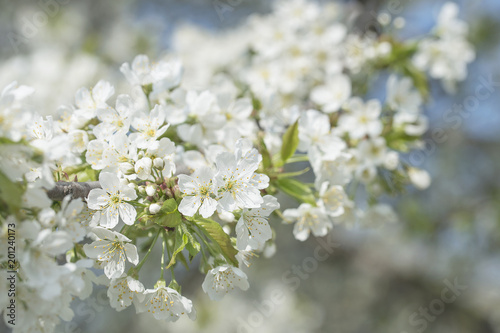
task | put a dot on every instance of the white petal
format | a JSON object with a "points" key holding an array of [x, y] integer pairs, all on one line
{"points": [[127, 193], [208, 207], [111, 218], [249, 198], [103, 233], [131, 252], [227, 202], [241, 235], [127, 213], [135, 285], [114, 268], [109, 182], [187, 184], [300, 232], [205, 174], [189, 205], [97, 198]]}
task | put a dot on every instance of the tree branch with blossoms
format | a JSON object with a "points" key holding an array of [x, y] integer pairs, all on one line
{"points": [[202, 169]]}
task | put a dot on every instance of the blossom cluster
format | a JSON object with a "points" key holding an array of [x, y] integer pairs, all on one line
{"points": [[201, 169]]}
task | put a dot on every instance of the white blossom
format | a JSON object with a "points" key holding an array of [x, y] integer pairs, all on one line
{"points": [[150, 127], [110, 201], [333, 199], [236, 182], [308, 219], [401, 95], [166, 303], [124, 291], [112, 249], [362, 118], [198, 192], [222, 280], [333, 94], [90, 102], [253, 229]]}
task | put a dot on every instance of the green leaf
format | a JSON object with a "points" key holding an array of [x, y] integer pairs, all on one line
{"points": [[296, 189], [292, 174], [290, 142], [419, 79], [266, 156], [214, 231], [257, 105], [193, 246], [7, 141], [169, 216], [169, 206], [181, 240], [11, 193]]}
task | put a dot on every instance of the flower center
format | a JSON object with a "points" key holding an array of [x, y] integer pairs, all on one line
{"points": [[115, 200], [204, 191], [151, 132]]}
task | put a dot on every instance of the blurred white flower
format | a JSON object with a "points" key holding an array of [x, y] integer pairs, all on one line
{"points": [[420, 178], [166, 303], [308, 219], [362, 118], [222, 280], [333, 94], [124, 291], [90, 102], [401, 95], [332, 199]]}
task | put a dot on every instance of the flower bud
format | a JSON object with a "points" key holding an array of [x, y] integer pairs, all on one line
{"points": [[420, 178], [143, 168], [154, 208], [391, 160], [150, 190], [176, 191], [126, 168], [158, 163], [227, 229]]}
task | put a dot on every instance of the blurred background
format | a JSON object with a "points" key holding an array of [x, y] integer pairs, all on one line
{"points": [[437, 270]]}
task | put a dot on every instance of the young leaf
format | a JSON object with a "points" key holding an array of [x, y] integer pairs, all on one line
{"points": [[192, 245], [419, 80], [266, 157], [181, 240], [296, 189], [168, 216], [214, 231], [290, 142]]}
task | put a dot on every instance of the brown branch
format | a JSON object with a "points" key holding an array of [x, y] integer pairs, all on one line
{"points": [[75, 189]]}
